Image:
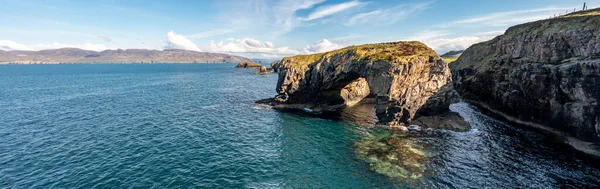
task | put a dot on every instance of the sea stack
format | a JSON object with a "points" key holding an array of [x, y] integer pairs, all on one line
{"points": [[248, 65], [407, 79], [544, 74]]}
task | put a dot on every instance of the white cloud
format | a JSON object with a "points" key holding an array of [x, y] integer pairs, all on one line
{"points": [[450, 44], [269, 44], [322, 45], [7, 45], [11, 45], [438, 41], [250, 47], [176, 41], [210, 33], [84, 46], [387, 16], [254, 48], [324, 11]]}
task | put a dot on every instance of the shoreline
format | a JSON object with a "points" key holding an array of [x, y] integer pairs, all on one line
{"points": [[586, 147], [124, 63]]}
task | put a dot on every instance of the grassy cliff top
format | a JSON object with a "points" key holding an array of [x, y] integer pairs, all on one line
{"points": [[480, 55], [590, 12], [580, 19], [401, 52]]}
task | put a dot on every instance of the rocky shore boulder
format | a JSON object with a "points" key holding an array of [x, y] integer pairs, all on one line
{"points": [[407, 79], [540, 73], [264, 70]]}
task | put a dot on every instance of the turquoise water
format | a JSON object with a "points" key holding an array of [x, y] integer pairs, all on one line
{"points": [[196, 126]]}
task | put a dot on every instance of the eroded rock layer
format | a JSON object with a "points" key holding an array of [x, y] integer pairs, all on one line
{"points": [[408, 79], [545, 72]]}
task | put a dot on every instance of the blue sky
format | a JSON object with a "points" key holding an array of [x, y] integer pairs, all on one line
{"points": [[262, 28]]}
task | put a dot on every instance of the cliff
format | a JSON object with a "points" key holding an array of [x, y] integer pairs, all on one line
{"points": [[77, 56], [408, 80], [544, 74]]}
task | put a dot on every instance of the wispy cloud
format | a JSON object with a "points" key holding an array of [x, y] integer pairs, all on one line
{"points": [[426, 35], [345, 39], [210, 33], [280, 15], [508, 18], [387, 15], [493, 33], [327, 10], [107, 39]]}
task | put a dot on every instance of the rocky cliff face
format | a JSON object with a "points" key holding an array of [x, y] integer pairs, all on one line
{"points": [[545, 72], [408, 80]]}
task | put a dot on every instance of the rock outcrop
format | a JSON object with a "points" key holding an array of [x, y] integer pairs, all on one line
{"points": [[264, 70], [248, 65], [408, 80], [540, 73]]}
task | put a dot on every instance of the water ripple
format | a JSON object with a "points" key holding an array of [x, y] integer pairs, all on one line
{"points": [[171, 126]]}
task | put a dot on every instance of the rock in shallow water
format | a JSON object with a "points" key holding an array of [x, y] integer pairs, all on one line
{"points": [[393, 155]]}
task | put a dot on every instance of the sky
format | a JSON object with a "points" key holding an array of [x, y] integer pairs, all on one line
{"points": [[263, 28]]}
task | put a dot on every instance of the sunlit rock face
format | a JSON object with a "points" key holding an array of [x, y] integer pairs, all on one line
{"points": [[407, 79], [355, 91]]}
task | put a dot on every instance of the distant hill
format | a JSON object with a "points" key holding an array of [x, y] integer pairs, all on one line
{"points": [[265, 60], [452, 54], [80, 56]]}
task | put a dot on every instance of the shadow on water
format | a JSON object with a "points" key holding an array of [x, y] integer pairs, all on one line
{"points": [[492, 153]]}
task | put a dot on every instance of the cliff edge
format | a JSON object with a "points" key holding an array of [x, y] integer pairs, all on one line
{"points": [[544, 74]]}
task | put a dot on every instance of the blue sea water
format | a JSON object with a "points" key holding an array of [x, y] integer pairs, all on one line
{"points": [[197, 126]]}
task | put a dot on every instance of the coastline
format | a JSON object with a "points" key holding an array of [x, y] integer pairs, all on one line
{"points": [[586, 147]]}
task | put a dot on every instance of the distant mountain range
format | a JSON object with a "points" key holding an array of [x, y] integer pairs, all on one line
{"points": [[80, 56], [454, 54]]}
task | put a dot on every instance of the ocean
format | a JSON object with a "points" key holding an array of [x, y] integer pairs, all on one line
{"points": [[197, 126]]}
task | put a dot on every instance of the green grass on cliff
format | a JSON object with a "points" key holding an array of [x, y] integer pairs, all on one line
{"points": [[589, 18], [400, 52], [480, 56], [449, 59], [591, 12]]}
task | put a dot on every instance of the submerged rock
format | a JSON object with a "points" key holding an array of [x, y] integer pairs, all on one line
{"points": [[407, 79], [447, 121], [541, 73], [393, 155]]}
